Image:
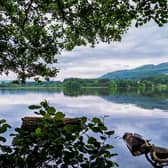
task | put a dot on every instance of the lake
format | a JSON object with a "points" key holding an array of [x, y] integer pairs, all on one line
{"points": [[126, 111]]}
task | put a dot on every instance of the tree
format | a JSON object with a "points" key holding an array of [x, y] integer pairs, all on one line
{"points": [[32, 32]]}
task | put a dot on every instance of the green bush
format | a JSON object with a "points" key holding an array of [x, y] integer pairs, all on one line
{"points": [[55, 144]]}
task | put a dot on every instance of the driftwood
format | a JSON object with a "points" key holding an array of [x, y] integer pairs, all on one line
{"points": [[31, 123], [157, 156], [136, 144]]}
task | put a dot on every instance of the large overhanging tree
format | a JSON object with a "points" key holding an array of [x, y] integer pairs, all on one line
{"points": [[33, 32]]}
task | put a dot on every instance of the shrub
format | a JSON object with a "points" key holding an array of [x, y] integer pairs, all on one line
{"points": [[54, 143]]}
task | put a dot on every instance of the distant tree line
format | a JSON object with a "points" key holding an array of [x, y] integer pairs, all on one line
{"points": [[159, 82]]}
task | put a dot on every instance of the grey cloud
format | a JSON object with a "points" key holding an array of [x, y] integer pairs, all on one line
{"points": [[147, 44], [150, 38]]}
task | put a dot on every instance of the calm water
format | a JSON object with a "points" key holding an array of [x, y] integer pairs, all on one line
{"points": [[128, 112]]}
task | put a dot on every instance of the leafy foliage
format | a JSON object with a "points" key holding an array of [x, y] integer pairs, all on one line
{"points": [[56, 144], [3, 129], [33, 32]]}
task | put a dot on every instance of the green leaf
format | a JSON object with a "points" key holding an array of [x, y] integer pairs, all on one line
{"points": [[103, 137], [102, 127], [2, 139], [38, 113], [90, 125], [109, 133], [59, 115], [68, 128], [44, 104], [96, 120], [33, 107], [108, 146], [7, 126], [96, 130], [38, 131], [2, 121], [42, 112], [83, 120], [92, 140], [4, 128], [51, 110]]}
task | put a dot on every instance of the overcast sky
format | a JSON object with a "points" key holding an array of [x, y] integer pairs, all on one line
{"points": [[144, 45]]}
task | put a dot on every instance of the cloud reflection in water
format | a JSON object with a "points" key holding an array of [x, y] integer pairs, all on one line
{"points": [[123, 117]]}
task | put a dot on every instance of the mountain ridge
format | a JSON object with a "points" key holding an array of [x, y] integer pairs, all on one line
{"points": [[149, 70]]}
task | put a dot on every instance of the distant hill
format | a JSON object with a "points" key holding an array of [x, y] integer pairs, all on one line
{"points": [[5, 81], [145, 71]]}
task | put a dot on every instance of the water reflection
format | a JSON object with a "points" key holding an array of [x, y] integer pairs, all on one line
{"points": [[147, 99], [128, 112], [154, 129]]}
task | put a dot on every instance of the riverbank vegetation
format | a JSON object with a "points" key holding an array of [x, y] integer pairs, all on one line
{"points": [[159, 82], [152, 83]]}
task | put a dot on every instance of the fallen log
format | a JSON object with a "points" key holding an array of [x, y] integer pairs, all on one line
{"points": [[31, 123]]}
